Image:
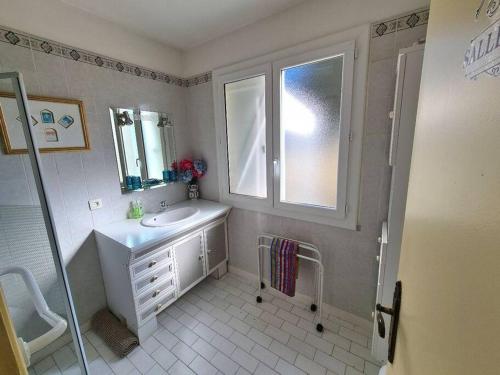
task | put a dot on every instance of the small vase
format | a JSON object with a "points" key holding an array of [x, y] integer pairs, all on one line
{"points": [[193, 191]]}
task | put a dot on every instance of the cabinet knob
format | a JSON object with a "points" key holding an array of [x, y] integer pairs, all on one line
{"points": [[152, 263], [378, 258], [156, 292], [200, 257], [153, 279], [158, 307]]}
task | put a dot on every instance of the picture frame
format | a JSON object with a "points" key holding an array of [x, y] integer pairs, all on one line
{"points": [[60, 124]]}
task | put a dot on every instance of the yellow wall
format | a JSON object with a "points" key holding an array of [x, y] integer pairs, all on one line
{"points": [[450, 262]]}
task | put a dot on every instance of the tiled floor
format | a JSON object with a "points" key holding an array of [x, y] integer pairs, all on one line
{"points": [[218, 328]]}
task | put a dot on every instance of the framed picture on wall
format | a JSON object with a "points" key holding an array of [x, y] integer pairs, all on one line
{"points": [[59, 124]]}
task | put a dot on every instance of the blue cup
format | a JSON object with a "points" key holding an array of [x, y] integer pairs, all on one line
{"points": [[136, 182], [166, 176], [128, 182], [172, 175]]}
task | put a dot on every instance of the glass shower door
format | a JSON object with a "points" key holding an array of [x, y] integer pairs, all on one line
{"points": [[33, 279]]}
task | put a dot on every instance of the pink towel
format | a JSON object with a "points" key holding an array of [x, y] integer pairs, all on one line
{"points": [[284, 265]]}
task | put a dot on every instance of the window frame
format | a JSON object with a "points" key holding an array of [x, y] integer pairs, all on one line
{"points": [[222, 149], [347, 51], [359, 38]]}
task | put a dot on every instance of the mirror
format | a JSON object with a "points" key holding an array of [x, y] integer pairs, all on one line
{"points": [[144, 146]]}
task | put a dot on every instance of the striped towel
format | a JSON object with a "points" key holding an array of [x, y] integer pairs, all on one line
{"points": [[284, 265]]}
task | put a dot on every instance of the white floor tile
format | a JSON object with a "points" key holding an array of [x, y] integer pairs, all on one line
{"points": [[204, 332], [155, 370], [239, 325], [164, 357], [301, 347], [349, 358], [242, 341], [186, 335], [264, 370], [277, 334], [251, 309], [293, 330], [200, 366], [244, 359], [225, 364], [203, 348], [319, 343], [337, 340], [354, 336], [283, 351], [166, 338], [150, 344], [285, 368], [222, 329], [309, 366], [141, 360], [223, 345], [264, 355], [184, 353], [179, 368], [205, 318], [330, 362], [271, 319], [64, 357], [236, 312], [259, 337]]}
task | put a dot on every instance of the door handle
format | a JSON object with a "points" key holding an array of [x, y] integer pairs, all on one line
{"points": [[394, 313]]}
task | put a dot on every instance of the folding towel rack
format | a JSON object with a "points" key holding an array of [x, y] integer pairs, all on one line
{"points": [[264, 242]]}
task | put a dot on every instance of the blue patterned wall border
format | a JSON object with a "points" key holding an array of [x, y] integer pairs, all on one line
{"points": [[406, 21], [20, 39]]}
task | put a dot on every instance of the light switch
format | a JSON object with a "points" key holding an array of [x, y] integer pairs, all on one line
{"points": [[95, 204]]}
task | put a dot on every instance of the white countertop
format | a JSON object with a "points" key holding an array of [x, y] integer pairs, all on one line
{"points": [[132, 234]]}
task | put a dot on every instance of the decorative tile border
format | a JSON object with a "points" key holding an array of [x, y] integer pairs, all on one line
{"points": [[20, 39], [407, 21]]}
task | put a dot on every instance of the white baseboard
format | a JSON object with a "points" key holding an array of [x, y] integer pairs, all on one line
{"points": [[305, 299]]}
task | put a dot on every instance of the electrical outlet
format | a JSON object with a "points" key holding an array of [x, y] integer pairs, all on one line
{"points": [[95, 204]]}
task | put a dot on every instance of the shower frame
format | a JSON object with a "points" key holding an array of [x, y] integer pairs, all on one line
{"points": [[41, 186]]}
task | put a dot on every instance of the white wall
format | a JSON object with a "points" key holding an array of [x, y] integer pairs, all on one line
{"points": [[55, 20], [307, 21]]}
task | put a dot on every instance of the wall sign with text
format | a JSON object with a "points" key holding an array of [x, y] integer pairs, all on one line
{"points": [[483, 54]]}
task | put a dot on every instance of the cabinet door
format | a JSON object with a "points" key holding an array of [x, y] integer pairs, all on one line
{"points": [[216, 244], [190, 261]]}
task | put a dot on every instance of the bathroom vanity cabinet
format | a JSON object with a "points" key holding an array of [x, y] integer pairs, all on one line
{"points": [[146, 269]]}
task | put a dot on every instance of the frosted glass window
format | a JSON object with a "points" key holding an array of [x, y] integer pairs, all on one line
{"points": [[153, 144], [246, 136], [310, 97], [128, 134]]}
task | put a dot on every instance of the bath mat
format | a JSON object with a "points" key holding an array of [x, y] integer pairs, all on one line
{"points": [[116, 335]]}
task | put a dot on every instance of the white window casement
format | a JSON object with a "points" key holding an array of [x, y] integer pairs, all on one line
{"points": [[284, 136]]}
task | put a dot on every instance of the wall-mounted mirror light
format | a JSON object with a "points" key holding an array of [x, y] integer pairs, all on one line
{"points": [[144, 146]]}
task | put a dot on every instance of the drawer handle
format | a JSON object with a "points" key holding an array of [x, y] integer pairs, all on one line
{"points": [[156, 292], [152, 263], [158, 307], [153, 279], [170, 268]]}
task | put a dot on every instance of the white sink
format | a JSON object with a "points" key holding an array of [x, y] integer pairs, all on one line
{"points": [[170, 217]]}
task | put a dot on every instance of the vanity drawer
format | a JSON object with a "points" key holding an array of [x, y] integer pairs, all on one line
{"points": [[153, 279], [153, 262], [154, 293], [155, 308]]}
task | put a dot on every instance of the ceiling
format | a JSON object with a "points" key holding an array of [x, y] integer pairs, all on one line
{"points": [[183, 24]]}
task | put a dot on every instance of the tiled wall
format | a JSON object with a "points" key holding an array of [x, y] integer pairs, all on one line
{"points": [[348, 256], [76, 177]]}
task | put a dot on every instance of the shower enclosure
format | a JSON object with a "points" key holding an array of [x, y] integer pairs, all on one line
{"points": [[32, 272]]}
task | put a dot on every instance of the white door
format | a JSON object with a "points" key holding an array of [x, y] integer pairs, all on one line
{"points": [[403, 127]]}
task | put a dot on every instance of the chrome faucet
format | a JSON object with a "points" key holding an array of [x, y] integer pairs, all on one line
{"points": [[163, 205]]}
